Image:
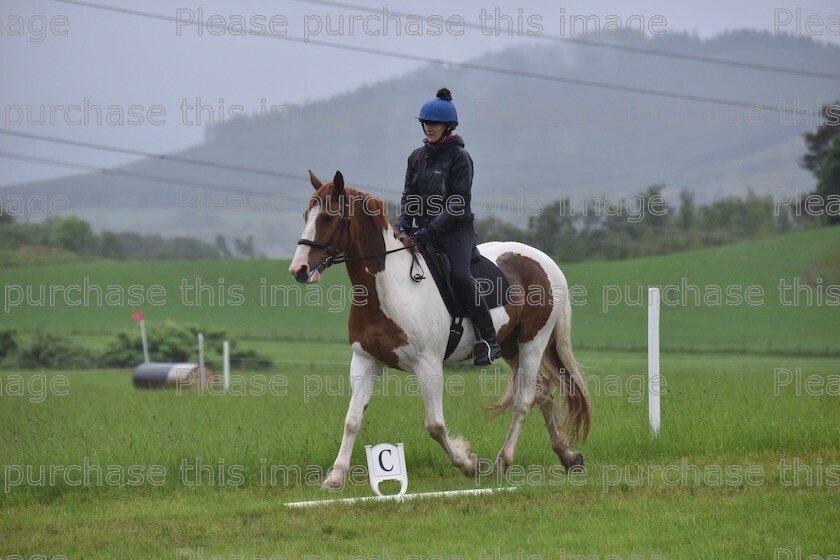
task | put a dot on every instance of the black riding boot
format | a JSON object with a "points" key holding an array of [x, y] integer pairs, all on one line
{"points": [[487, 349]]}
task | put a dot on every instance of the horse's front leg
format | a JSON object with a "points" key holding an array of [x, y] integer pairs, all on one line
{"points": [[430, 377], [364, 371]]}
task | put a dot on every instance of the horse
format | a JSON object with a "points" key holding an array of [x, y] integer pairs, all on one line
{"points": [[405, 325]]}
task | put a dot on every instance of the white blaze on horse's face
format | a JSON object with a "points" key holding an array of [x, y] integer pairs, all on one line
{"points": [[300, 262]]}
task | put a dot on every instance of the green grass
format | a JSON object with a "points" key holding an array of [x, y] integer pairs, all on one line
{"points": [[319, 312], [781, 322], [718, 411]]}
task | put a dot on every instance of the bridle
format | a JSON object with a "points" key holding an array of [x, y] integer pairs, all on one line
{"points": [[335, 256]]}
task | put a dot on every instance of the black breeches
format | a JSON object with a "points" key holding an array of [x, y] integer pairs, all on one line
{"points": [[458, 244]]}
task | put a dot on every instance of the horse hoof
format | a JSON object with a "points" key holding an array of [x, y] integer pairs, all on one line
{"points": [[501, 465], [334, 481], [471, 467], [576, 464]]}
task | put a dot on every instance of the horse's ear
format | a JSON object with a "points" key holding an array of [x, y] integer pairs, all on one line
{"points": [[314, 180], [338, 182]]}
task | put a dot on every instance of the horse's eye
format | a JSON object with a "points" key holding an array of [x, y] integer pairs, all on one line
{"points": [[326, 219]]}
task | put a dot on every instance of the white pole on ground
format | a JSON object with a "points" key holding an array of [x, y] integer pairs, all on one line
{"points": [[145, 342], [226, 363], [653, 360], [400, 497], [202, 378]]}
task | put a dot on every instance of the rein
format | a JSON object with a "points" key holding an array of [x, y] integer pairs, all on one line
{"points": [[338, 257]]}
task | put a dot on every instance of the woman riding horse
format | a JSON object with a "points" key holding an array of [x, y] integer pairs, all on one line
{"points": [[436, 198]]}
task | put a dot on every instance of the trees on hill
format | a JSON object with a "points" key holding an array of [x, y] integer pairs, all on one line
{"points": [[828, 186], [645, 224], [822, 158], [74, 235]]}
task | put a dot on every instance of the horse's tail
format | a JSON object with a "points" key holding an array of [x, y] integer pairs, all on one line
{"points": [[564, 373]]}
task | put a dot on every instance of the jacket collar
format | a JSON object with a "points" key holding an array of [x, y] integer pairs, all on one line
{"points": [[454, 140]]}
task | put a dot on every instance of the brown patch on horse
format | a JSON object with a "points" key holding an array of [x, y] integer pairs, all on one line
{"points": [[531, 291], [376, 333]]}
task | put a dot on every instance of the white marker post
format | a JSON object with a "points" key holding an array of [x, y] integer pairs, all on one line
{"points": [[226, 364], [202, 377], [145, 341], [138, 316], [653, 360]]}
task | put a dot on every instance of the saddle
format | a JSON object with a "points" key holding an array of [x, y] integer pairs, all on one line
{"points": [[492, 284]]}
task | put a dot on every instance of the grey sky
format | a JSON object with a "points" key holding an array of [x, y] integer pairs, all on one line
{"points": [[115, 59]]}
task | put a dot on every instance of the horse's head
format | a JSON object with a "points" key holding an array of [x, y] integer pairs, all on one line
{"points": [[326, 232]]}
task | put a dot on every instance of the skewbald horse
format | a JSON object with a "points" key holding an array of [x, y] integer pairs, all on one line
{"points": [[405, 325]]}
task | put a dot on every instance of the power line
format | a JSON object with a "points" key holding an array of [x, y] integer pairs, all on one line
{"points": [[588, 43], [177, 159], [150, 155], [462, 65], [143, 176]]}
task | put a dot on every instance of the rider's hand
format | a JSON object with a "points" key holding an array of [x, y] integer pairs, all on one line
{"points": [[422, 235]]}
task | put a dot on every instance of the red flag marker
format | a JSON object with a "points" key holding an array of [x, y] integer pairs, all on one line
{"points": [[137, 315]]}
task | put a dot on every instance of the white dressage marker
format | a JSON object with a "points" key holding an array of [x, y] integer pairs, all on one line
{"points": [[386, 462]]}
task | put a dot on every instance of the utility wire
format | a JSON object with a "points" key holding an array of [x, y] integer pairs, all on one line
{"points": [[143, 176], [462, 65], [177, 159], [150, 155], [587, 43]]}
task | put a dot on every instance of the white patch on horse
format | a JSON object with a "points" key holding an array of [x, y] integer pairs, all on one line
{"points": [[301, 257], [426, 324]]}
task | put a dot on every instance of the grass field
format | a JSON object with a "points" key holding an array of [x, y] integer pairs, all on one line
{"points": [[719, 412], [747, 464], [611, 315]]}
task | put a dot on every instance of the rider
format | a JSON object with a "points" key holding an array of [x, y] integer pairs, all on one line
{"points": [[436, 197]]}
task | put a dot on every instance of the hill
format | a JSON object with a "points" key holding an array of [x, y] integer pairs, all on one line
{"points": [[533, 141]]}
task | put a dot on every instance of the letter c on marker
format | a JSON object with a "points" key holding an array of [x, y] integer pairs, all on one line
{"points": [[382, 466]]}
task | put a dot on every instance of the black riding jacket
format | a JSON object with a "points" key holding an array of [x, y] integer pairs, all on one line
{"points": [[438, 182]]}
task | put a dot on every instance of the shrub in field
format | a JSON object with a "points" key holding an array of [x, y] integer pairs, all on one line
{"points": [[170, 342], [52, 351], [8, 346]]}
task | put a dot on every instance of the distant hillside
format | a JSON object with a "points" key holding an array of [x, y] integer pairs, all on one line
{"points": [[532, 140]]}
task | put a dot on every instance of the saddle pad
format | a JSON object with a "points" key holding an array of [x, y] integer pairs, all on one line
{"points": [[493, 284]]}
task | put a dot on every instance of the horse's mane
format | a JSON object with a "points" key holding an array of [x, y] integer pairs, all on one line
{"points": [[361, 203]]}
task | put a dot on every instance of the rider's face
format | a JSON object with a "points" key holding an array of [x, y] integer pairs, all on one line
{"points": [[433, 130]]}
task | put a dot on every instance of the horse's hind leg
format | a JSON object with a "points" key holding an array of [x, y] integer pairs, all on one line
{"points": [[457, 449], [364, 371], [559, 440], [530, 355]]}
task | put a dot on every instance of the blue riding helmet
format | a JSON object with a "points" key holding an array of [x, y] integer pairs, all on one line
{"points": [[439, 109]]}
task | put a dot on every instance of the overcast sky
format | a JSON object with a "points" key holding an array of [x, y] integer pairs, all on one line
{"points": [[110, 58]]}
